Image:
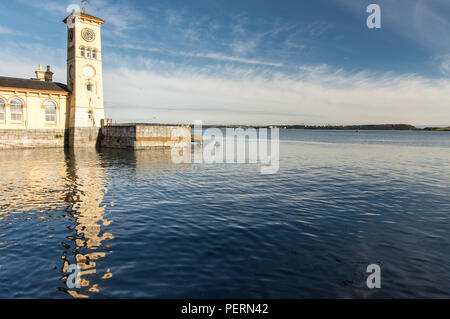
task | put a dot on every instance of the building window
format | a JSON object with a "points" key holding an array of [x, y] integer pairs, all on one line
{"points": [[16, 108], [90, 115], [89, 87], [94, 54], [88, 53], [82, 51], [50, 112], [2, 111]]}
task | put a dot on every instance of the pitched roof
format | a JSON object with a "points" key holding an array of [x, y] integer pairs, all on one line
{"points": [[32, 84]]}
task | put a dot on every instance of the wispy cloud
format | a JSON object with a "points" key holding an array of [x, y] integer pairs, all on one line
{"points": [[218, 78], [244, 47], [120, 15], [316, 94], [137, 89], [317, 28], [174, 18], [444, 65], [424, 22], [238, 29], [210, 55], [8, 31], [221, 57], [20, 59]]}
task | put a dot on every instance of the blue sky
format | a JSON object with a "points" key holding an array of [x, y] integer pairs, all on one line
{"points": [[251, 61]]}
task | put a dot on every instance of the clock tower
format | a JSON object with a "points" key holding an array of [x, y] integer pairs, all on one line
{"points": [[84, 78]]}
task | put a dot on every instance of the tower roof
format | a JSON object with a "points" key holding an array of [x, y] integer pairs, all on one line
{"points": [[85, 16]]}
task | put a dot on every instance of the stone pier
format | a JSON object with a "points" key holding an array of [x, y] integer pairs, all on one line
{"points": [[127, 136], [144, 136]]}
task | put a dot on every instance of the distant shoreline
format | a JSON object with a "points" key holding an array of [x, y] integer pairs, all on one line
{"points": [[370, 127]]}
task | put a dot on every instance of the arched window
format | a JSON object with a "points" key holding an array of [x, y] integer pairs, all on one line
{"points": [[94, 54], [88, 53], [2, 110], [16, 108], [50, 112], [82, 51]]}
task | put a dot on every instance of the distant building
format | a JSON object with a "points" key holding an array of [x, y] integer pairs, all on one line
{"points": [[76, 109]]}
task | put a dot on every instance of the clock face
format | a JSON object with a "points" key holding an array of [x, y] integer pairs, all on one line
{"points": [[88, 35], [88, 71]]}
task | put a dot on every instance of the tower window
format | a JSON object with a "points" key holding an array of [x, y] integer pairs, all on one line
{"points": [[89, 87], [2, 110], [88, 53], [82, 52], [50, 111], [90, 115], [16, 107], [94, 53]]}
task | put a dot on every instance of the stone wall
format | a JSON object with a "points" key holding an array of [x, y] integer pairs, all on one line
{"points": [[84, 137], [117, 136], [145, 136], [14, 139]]}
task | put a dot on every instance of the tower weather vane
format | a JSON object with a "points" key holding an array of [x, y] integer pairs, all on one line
{"points": [[83, 10]]}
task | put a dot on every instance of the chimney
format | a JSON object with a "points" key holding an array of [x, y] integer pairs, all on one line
{"points": [[40, 74], [48, 75]]}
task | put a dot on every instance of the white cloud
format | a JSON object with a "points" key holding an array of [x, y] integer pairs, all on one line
{"points": [[238, 28], [244, 47], [121, 16], [217, 56], [8, 31], [140, 90], [247, 96], [20, 59], [207, 55], [257, 92], [174, 18], [444, 65]]}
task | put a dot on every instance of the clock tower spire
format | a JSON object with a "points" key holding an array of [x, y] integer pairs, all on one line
{"points": [[84, 77], [83, 10]]}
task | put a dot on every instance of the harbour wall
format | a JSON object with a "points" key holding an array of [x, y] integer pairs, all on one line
{"points": [[142, 136], [84, 137], [126, 136], [17, 139]]}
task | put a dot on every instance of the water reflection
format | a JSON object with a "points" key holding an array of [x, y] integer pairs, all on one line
{"points": [[68, 187], [142, 226], [87, 244]]}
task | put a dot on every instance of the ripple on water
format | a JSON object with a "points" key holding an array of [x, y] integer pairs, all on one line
{"points": [[140, 226]]}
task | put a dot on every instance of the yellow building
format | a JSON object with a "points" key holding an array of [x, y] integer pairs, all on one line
{"points": [[33, 104], [33, 111]]}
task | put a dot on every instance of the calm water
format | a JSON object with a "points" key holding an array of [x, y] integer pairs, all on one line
{"points": [[139, 225]]}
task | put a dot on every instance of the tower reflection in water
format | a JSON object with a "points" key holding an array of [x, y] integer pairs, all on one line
{"points": [[88, 243], [54, 214], [87, 171]]}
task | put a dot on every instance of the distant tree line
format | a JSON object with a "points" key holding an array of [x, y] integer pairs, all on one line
{"points": [[396, 127]]}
